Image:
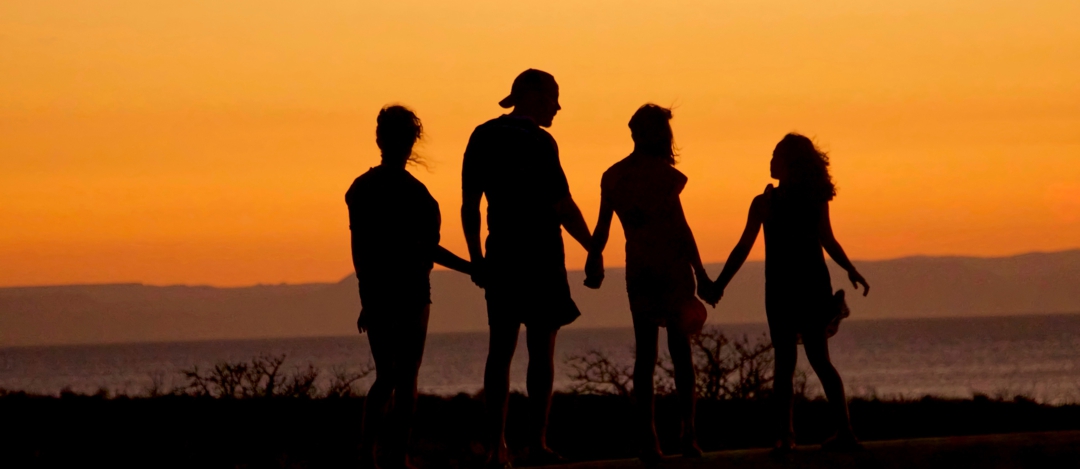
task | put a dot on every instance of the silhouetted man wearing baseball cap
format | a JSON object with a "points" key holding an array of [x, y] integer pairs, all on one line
{"points": [[515, 163]]}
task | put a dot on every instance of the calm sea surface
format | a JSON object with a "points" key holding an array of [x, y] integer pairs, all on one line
{"points": [[1037, 356]]}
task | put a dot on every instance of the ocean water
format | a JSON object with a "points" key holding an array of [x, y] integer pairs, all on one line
{"points": [[1036, 356]]}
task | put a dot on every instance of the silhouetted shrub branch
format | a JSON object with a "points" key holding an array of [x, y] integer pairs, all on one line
{"points": [[262, 376], [595, 373], [726, 369]]}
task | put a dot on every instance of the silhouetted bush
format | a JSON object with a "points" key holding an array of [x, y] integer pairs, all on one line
{"points": [[262, 376], [726, 369]]}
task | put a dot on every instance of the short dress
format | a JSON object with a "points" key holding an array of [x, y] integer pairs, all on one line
{"points": [[515, 164], [798, 289], [644, 192], [394, 222]]}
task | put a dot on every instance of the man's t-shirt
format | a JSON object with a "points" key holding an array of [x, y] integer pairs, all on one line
{"points": [[515, 164], [395, 230]]}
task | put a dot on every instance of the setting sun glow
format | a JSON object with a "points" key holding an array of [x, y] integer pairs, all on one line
{"points": [[211, 142]]}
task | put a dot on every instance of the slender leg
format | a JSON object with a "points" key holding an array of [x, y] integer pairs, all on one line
{"points": [[539, 382], [786, 356], [645, 337], [410, 352], [378, 397], [501, 346], [817, 352], [683, 361]]}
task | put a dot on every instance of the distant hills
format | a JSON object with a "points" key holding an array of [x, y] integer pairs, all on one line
{"points": [[911, 287]]}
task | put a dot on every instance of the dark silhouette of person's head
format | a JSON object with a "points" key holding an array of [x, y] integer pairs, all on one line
{"points": [[397, 132], [650, 127], [535, 95], [799, 164]]}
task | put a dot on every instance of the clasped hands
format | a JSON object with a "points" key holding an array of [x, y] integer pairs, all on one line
{"points": [[709, 291]]}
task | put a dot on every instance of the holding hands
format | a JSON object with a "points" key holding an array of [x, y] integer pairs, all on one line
{"points": [[709, 291], [594, 270]]}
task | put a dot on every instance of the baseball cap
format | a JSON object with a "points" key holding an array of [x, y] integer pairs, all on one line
{"points": [[529, 80]]}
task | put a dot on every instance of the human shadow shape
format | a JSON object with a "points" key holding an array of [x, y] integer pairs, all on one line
{"points": [[513, 162], [799, 301], [395, 223], [662, 261]]}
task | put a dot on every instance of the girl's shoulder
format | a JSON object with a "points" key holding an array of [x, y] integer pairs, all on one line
{"points": [[761, 202], [766, 195]]}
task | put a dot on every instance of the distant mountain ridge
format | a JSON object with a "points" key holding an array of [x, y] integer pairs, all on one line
{"points": [[910, 287]]}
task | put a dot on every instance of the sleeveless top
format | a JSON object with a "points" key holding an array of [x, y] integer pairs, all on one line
{"points": [[644, 192]]}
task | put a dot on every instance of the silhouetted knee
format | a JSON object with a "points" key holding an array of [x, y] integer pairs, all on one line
{"points": [[817, 354], [405, 383], [380, 389]]}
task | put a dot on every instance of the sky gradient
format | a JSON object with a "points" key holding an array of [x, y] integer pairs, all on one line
{"points": [[211, 142]]}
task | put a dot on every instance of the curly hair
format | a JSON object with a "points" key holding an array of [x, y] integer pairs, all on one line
{"points": [[807, 166], [397, 131], [650, 127]]}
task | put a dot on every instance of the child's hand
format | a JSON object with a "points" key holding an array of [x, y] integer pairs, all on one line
{"points": [[707, 292], [594, 271], [857, 279]]}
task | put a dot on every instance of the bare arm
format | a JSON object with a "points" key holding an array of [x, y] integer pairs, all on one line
{"points": [[704, 283], [594, 266], [445, 258], [571, 219], [836, 252], [691, 246], [470, 222], [739, 254]]}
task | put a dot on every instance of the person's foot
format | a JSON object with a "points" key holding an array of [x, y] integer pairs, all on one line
{"points": [[784, 446], [498, 458], [651, 457], [393, 461], [544, 456], [495, 464], [690, 448], [367, 461], [842, 443]]}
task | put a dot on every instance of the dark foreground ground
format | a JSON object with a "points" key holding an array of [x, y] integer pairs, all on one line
{"points": [[1015, 450], [184, 431]]}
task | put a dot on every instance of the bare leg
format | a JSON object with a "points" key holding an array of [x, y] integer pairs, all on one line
{"points": [[683, 361], [817, 352], [501, 346], [645, 337], [539, 383], [378, 397], [786, 355], [409, 353]]}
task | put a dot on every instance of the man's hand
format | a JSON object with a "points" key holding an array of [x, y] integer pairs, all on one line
{"points": [[594, 271], [707, 291], [360, 323]]}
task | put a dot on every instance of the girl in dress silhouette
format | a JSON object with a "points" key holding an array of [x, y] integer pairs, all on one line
{"points": [[799, 300], [395, 239], [661, 264]]}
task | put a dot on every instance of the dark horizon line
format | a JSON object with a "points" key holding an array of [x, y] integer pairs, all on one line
{"points": [[442, 269]]}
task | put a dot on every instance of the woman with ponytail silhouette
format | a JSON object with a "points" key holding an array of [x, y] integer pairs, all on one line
{"points": [[395, 239]]}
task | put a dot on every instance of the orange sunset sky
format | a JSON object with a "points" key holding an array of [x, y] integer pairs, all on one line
{"points": [[211, 141]]}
